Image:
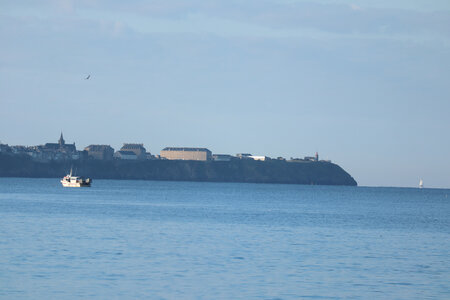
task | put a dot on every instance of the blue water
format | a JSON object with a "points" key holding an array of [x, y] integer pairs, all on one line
{"points": [[182, 240]]}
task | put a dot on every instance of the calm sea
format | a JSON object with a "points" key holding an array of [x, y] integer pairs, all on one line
{"points": [[185, 240]]}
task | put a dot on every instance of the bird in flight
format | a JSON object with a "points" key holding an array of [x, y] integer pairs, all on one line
{"points": [[89, 76]]}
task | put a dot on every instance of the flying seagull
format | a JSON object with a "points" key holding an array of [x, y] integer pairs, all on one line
{"points": [[89, 76]]}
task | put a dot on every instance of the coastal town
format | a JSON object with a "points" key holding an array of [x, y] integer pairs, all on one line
{"points": [[130, 151]]}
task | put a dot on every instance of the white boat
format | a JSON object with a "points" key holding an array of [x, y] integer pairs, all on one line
{"points": [[421, 183], [75, 181]]}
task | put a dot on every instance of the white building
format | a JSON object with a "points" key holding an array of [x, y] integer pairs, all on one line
{"points": [[262, 158], [222, 157]]}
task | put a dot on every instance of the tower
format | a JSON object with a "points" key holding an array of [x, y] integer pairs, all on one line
{"points": [[317, 156], [61, 141]]}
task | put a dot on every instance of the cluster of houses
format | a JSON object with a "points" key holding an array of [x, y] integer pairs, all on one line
{"points": [[129, 151]]}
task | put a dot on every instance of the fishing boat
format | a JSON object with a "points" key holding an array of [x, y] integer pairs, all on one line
{"points": [[75, 181]]}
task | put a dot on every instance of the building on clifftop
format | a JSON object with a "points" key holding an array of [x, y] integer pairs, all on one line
{"points": [[127, 155], [61, 146], [103, 152], [186, 153], [137, 149]]}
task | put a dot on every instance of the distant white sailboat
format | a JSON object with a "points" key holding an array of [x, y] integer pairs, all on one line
{"points": [[421, 183]]}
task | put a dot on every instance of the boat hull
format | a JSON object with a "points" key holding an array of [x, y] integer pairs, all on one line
{"points": [[74, 184]]}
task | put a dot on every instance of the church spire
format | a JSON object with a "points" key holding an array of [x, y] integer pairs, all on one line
{"points": [[61, 140]]}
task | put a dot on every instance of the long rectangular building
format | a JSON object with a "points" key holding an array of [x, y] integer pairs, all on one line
{"points": [[185, 153]]}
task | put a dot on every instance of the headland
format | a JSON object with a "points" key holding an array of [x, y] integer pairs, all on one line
{"points": [[134, 161]]}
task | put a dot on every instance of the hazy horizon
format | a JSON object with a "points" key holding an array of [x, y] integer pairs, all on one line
{"points": [[363, 84]]}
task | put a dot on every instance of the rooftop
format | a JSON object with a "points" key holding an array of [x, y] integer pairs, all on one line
{"points": [[97, 147], [132, 146], [185, 149]]}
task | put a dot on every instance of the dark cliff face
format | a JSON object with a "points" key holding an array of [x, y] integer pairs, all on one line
{"points": [[320, 173]]}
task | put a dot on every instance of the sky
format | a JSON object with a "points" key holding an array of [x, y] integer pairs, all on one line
{"points": [[363, 83]]}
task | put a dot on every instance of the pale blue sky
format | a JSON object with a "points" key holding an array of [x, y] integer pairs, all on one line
{"points": [[364, 83]]}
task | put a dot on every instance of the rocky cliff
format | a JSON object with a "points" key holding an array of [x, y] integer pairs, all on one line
{"points": [[320, 173]]}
